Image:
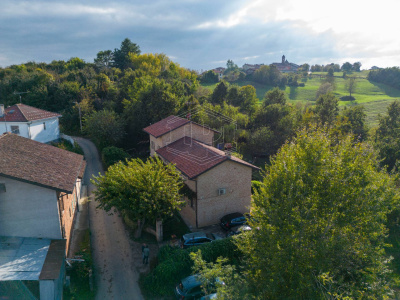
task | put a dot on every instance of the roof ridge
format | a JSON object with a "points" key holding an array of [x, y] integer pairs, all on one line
{"points": [[26, 119]]}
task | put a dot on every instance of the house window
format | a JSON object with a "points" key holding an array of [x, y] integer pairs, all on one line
{"points": [[2, 187], [221, 192], [44, 125], [15, 129], [152, 145]]}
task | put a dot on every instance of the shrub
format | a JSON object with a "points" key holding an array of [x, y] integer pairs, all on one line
{"points": [[66, 145], [347, 98], [175, 264], [111, 155]]}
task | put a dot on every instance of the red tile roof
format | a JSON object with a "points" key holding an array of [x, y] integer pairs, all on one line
{"points": [[26, 113], [37, 163], [168, 124], [193, 158], [165, 125]]}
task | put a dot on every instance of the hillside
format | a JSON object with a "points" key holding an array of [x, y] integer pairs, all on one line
{"points": [[374, 96]]}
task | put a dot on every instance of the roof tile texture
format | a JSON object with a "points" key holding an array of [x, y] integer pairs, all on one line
{"points": [[26, 113], [165, 125], [193, 158], [45, 165]]}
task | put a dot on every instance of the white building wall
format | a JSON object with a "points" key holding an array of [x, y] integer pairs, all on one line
{"points": [[28, 210], [23, 128], [45, 131]]}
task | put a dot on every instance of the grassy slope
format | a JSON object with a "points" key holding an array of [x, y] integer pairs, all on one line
{"points": [[374, 96]]}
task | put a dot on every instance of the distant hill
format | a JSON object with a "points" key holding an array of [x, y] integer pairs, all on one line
{"points": [[374, 96]]}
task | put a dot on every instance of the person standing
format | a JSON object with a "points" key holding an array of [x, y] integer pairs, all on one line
{"points": [[146, 253]]}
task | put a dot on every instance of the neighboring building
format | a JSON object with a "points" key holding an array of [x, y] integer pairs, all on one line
{"points": [[31, 268], [173, 128], [40, 186], [221, 183], [285, 66], [250, 69], [220, 72], [30, 122]]}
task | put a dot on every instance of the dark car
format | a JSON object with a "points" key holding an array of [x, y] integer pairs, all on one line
{"points": [[238, 229], [231, 220], [197, 238]]}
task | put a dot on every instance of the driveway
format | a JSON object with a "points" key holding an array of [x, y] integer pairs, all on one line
{"points": [[114, 255]]}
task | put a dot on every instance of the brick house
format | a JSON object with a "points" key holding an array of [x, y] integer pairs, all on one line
{"points": [[30, 122], [221, 183], [40, 186]]}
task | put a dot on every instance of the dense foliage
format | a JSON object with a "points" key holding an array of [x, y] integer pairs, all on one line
{"points": [[144, 191], [315, 238], [389, 76]]}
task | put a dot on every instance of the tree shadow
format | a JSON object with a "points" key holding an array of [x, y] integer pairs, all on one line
{"points": [[388, 90]]}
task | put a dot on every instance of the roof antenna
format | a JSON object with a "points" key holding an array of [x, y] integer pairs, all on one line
{"points": [[19, 93]]}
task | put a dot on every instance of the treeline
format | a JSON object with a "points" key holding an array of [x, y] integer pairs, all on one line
{"points": [[389, 76], [123, 91]]}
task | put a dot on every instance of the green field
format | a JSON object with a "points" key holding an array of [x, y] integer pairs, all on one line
{"points": [[374, 96]]}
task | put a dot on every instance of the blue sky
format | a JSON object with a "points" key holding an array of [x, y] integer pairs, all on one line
{"points": [[204, 34]]}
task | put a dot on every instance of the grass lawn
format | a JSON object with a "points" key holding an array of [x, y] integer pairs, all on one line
{"points": [[374, 96]]}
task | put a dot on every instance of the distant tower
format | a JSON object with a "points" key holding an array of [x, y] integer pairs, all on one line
{"points": [[283, 59]]}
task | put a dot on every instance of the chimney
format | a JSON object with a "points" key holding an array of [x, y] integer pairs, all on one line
{"points": [[1, 110]]}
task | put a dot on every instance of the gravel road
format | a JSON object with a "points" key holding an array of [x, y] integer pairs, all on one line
{"points": [[114, 255]]}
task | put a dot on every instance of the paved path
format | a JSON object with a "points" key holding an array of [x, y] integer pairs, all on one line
{"points": [[114, 254]]}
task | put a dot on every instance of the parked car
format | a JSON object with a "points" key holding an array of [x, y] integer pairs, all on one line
{"points": [[231, 220], [238, 229], [191, 288], [198, 238]]}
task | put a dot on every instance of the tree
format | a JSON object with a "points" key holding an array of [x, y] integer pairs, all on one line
{"points": [[219, 94], [347, 67], [326, 109], [387, 137], [320, 217], [105, 128], [323, 89], [356, 117], [351, 84], [230, 65], [144, 191], [209, 77], [104, 58], [121, 55], [275, 96], [357, 66]]}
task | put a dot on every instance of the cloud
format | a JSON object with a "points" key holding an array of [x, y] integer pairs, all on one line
{"points": [[201, 34]]}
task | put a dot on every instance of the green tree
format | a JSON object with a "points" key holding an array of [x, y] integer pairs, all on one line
{"points": [[320, 217], [326, 109], [104, 59], [144, 191], [351, 84], [105, 128], [323, 89], [347, 67], [275, 96], [219, 94], [357, 66], [387, 137], [209, 77], [357, 118], [121, 55]]}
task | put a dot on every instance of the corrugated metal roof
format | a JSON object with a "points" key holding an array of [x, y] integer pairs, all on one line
{"points": [[22, 258]]}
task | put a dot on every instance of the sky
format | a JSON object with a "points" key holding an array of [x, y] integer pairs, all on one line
{"points": [[204, 34]]}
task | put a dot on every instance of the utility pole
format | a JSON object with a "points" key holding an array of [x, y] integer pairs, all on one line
{"points": [[19, 93], [80, 117]]}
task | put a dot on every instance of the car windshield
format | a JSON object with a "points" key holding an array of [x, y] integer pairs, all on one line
{"points": [[210, 236]]}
